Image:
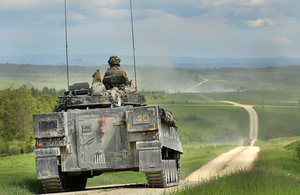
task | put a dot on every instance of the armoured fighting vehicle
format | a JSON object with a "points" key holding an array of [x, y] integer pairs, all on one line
{"points": [[247, 142], [91, 133]]}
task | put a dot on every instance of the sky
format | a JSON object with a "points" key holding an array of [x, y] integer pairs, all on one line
{"points": [[177, 28]]}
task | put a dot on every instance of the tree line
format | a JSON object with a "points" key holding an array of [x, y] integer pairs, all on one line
{"points": [[16, 122]]}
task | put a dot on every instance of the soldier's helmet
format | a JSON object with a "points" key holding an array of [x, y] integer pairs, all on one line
{"points": [[114, 60]]}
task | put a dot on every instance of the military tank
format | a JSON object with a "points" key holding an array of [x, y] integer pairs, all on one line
{"points": [[247, 142], [102, 129]]}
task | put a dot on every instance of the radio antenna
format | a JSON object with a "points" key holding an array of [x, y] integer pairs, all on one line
{"points": [[133, 48], [66, 35]]}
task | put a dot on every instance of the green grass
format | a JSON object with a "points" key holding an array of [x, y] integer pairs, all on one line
{"points": [[275, 171], [117, 178], [212, 124], [18, 176], [245, 96], [276, 118], [196, 155], [277, 122], [247, 182]]}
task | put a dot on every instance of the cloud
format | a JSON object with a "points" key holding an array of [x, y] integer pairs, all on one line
{"points": [[252, 3], [113, 13], [200, 28], [260, 22], [17, 5], [77, 17], [283, 40], [106, 3]]}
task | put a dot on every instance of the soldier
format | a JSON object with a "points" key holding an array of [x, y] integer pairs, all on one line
{"points": [[115, 69]]}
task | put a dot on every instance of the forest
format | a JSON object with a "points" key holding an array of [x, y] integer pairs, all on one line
{"points": [[16, 109]]}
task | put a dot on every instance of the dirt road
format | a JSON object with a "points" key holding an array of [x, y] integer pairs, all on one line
{"points": [[253, 132], [236, 159], [192, 89]]}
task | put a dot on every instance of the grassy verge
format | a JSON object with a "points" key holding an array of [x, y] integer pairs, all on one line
{"points": [[196, 155], [17, 173], [276, 171]]}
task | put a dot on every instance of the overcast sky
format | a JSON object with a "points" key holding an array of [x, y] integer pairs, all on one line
{"points": [[177, 28]]}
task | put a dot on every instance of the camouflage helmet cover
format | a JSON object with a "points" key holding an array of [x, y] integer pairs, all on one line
{"points": [[114, 60]]}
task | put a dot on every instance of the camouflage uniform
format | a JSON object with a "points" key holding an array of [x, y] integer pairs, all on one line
{"points": [[96, 76], [115, 68]]}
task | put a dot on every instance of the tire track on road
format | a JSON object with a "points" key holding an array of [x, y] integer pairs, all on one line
{"points": [[239, 158]]}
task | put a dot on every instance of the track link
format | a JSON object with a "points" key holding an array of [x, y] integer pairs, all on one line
{"points": [[167, 177], [52, 185]]}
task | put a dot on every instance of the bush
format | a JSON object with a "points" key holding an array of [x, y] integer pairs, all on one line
{"points": [[3, 148], [14, 149]]}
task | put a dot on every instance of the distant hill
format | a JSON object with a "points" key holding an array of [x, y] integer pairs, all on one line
{"points": [[181, 62]]}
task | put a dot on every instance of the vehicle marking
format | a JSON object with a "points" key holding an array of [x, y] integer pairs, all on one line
{"points": [[127, 113], [152, 128], [153, 110], [144, 118], [130, 129]]}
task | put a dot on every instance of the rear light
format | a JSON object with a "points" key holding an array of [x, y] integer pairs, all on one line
{"points": [[40, 141], [154, 136], [149, 132]]}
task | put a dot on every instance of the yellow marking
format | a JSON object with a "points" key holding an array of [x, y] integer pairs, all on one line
{"points": [[127, 113], [145, 117], [153, 110], [152, 128], [129, 128], [140, 118]]}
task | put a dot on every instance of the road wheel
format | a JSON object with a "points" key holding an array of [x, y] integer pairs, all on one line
{"points": [[167, 177]]}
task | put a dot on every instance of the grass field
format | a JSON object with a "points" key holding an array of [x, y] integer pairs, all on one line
{"points": [[275, 171], [277, 122], [276, 118], [204, 123], [17, 173], [245, 96]]}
